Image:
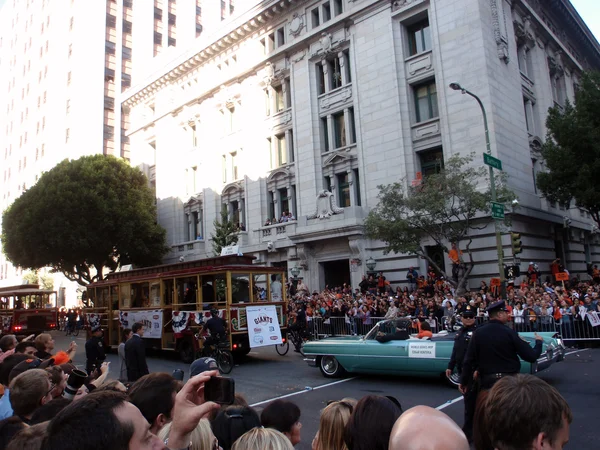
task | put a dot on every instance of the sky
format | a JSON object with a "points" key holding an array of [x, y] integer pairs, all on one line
{"points": [[589, 10]]}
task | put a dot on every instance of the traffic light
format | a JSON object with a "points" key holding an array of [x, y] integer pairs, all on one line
{"points": [[515, 239]]}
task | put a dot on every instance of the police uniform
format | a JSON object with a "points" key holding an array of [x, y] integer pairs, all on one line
{"points": [[94, 352], [494, 351], [461, 344]]}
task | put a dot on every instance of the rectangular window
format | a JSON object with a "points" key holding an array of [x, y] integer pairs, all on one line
{"points": [[186, 227], [281, 150], [283, 200], [279, 98], [326, 12], [271, 205], [325, 132], [419, 37], [68, 131], [272, 159], [343, 190], [294, 212], [426, 102], [432, 161], [339, 130], [352, 126], [314, 14], [320, 78], [234, 166], [338, 7], [224, 168], [280, 37], [357, 187], [335, 73], [290, 145]]}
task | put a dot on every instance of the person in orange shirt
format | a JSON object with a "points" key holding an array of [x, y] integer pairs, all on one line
{"points": [[455, 256]]}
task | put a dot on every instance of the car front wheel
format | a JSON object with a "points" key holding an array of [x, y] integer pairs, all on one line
{"points": [[330, 367]]}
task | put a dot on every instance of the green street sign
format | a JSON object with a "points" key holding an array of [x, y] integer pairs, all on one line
{"points": [[491, 161], [497, 210]]}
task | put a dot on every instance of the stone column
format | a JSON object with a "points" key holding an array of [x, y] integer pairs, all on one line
{"points": [[327, 82], [347, 126], [351, 187]]}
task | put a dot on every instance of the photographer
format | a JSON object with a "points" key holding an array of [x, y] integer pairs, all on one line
{"points": [[94, 350]]}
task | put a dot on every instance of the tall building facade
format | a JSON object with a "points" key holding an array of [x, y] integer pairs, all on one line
{"points": [[63, 67], [305, 107], [63, 64]]}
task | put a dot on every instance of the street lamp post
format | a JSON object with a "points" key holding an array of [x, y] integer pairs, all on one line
{"points": [[458, 87]]}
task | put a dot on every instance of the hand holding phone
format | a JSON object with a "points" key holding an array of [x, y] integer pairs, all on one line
{"points": [[220, 390]]}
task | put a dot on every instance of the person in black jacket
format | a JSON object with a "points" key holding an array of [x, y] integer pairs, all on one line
{"points": [[94, 350], [135, 354], [495, 350], [461, 344]]}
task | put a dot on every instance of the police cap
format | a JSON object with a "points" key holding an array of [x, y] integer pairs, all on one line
{"points": [[468, 313], [497, 306]]}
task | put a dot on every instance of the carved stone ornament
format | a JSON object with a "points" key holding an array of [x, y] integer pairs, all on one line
{"points": [[524, 32], [499, 25], [397, 4], [555, 64], [326, 206], [296, 24]]}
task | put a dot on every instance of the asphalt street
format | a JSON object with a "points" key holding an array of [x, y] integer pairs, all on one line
{"points": [[263, 375]]}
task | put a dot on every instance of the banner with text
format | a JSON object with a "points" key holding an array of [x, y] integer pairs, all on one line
{"points": [[152, 321], [263, 326]]}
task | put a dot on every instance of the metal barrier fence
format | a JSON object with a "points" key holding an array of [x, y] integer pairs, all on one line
{"points": [[569, 327]]}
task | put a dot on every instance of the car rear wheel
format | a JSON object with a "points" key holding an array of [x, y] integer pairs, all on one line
{"points": [[330, 367]]}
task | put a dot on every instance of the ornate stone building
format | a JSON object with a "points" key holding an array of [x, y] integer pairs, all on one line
{"points": [[305, 107]]}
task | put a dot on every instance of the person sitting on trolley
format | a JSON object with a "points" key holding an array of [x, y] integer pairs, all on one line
{"points": [[216, 326]]}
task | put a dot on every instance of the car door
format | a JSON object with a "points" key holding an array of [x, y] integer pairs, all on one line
{"points": [[382, 357]]}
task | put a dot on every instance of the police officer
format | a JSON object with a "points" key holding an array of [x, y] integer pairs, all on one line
{"points": [[495, 349], [461, 343], [94, 350]]}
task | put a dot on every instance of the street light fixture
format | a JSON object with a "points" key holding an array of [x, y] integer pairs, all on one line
{"points": [[457, 87], [295, 271], [370, 263]]}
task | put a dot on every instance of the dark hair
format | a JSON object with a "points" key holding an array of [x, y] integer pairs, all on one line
{"points": [[21, 346], [137, 327], [522, 407], [153, 395], [86, 424], [6, 342], [371, 423], [49, 410], [8, 364], [281, 415], [425, 326], [9, 428], [124, 334], [231, 423], [29, 438]]}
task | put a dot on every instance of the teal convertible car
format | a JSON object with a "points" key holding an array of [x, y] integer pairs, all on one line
{"points": [[413, 357]]}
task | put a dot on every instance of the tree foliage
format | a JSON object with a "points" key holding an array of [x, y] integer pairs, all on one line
{"points": [[572, 150], [225, 233], [84, 218], [443, 208]]}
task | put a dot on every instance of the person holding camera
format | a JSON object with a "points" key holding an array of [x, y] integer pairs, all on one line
{"points": [[94, 350]]}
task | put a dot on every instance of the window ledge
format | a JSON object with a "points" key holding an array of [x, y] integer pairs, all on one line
{"points": [[333, 91], [417, 55], [425, 122], [347, 148]]}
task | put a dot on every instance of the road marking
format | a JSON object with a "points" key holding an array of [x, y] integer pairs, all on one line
{"points": [[458, 399], [305, 390], [577, 351], [449, 403]]}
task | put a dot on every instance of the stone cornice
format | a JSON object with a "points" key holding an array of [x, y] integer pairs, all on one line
{"points": [[249, 23]]}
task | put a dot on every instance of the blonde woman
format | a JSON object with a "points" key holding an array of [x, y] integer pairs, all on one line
{"points": [[332, 424], [263, 439], [202, 437]]}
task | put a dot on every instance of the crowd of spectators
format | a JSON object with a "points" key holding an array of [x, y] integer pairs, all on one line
{"points": [[160, 412], [533, 305]]}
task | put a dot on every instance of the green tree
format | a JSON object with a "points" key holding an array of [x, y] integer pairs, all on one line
{"points": [[31, 277], [572, 150], [46, 282], [84, 218], [226, 233], [444, 208]]}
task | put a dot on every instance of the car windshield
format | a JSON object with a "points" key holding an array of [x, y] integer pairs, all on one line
{"points": [[386, 327]]}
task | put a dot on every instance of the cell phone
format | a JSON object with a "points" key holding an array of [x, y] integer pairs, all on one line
{"points": [[220, 390]]}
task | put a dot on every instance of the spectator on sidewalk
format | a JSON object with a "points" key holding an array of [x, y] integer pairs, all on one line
{"points": [[135, 354], [284, 416]]}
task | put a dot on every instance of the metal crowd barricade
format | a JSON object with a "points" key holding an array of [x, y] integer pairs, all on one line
{"points": [[355, 326], [578, 328]]}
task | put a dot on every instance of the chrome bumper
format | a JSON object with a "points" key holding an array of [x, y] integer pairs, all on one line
{"points": [[311, 361], [550, 357]]}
